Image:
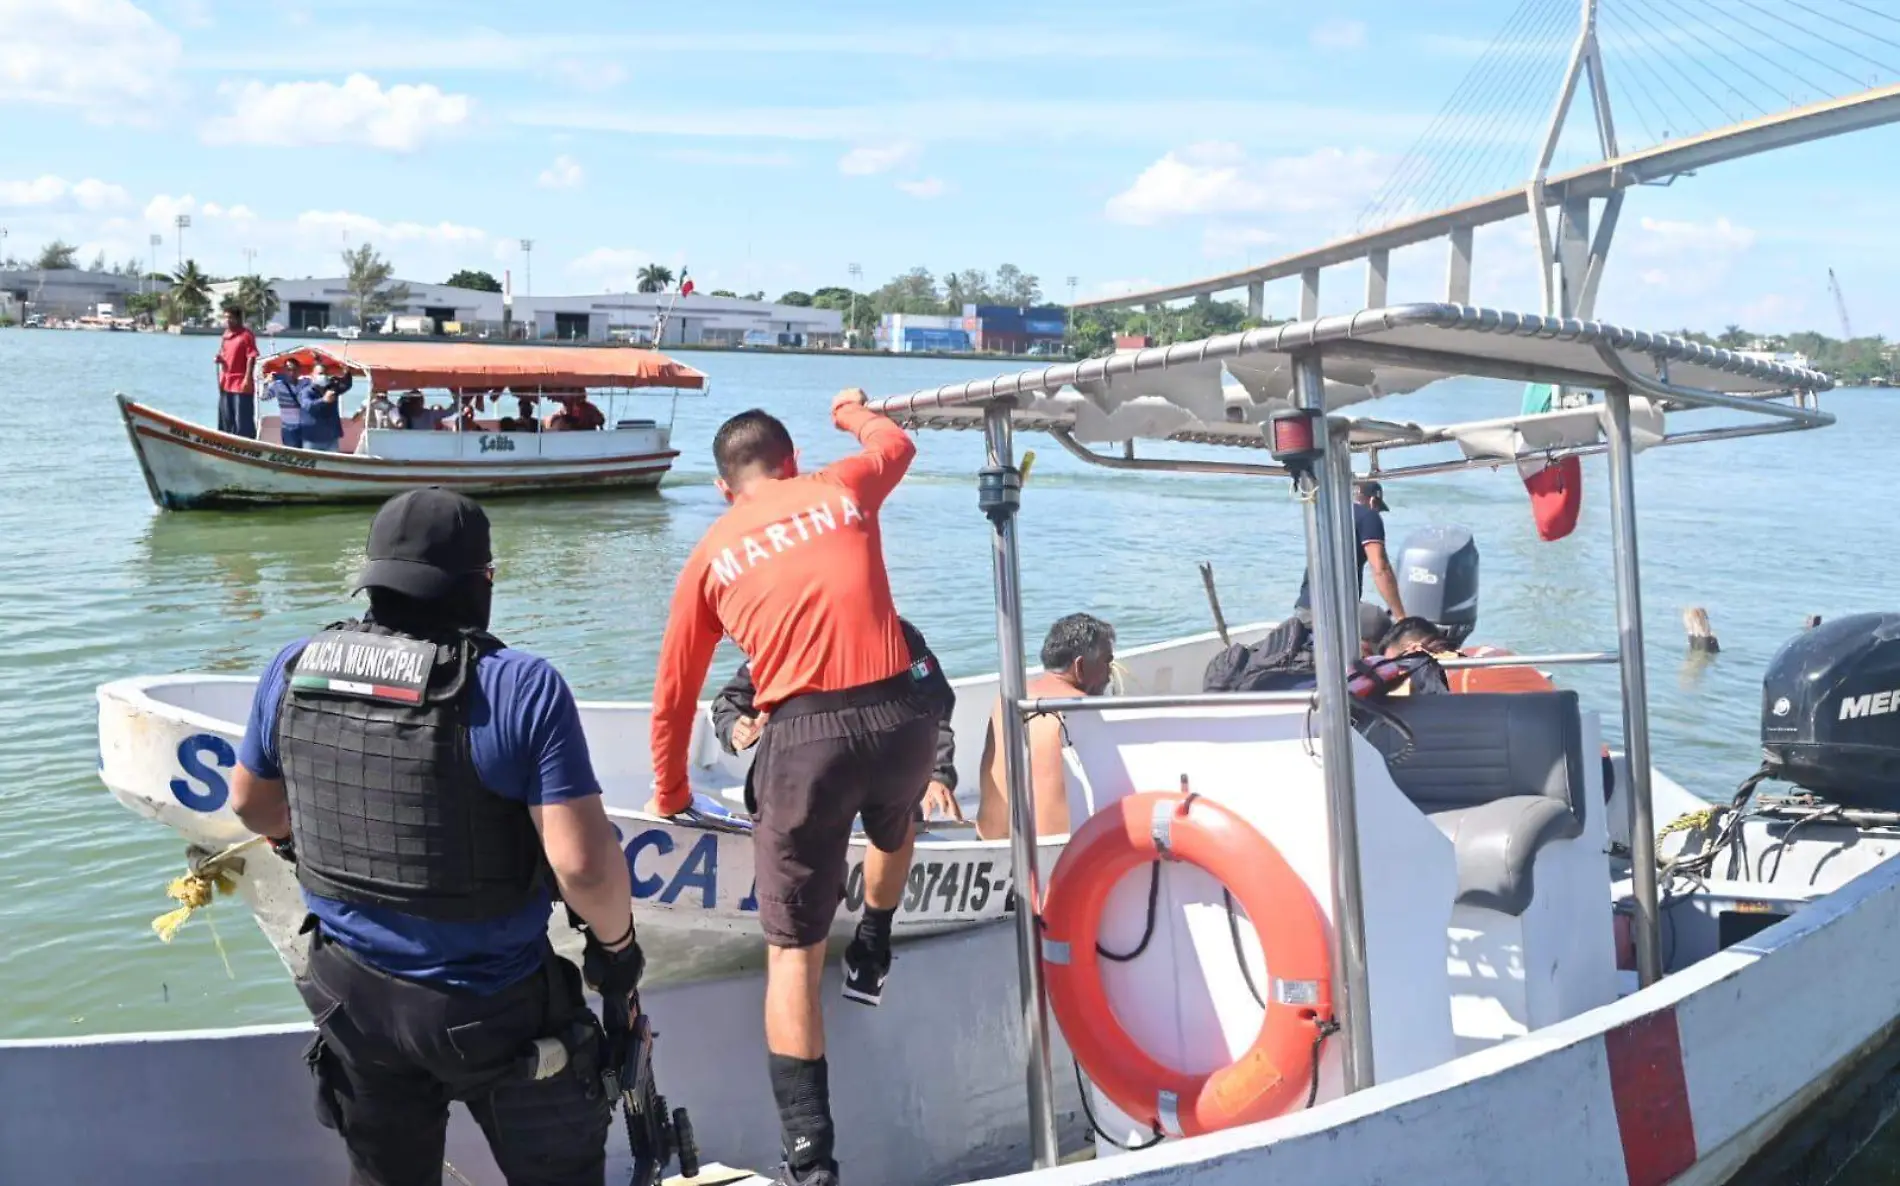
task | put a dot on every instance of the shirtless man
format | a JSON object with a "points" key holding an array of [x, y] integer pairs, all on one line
{"points": [[1076, 660]]}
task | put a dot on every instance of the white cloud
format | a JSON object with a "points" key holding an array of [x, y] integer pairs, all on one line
{"points": [[866, 160], [1668, 235], [107, 59], [928, 187], [344, 224], [564, 173], [57, 192], [1339, 34], [360, 110], [1218, 179]]}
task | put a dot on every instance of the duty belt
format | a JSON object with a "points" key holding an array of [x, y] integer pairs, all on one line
{"points": [[897, 688]]}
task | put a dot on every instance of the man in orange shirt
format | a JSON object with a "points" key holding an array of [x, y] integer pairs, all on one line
{"points": [[794, 573], [237, 353]]}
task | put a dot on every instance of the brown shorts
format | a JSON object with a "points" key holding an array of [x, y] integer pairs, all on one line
{"points": [[824, 760]]}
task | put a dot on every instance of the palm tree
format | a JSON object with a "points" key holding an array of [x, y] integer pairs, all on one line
{"points": [[190, 295], [654, 277], [255, 299]]}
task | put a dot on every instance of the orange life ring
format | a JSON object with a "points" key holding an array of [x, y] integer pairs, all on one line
{"points": [[1497, 679], [1266, 1080]]}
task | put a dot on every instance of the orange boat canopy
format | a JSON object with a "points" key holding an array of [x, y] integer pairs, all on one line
{"points": [[399, 366]]}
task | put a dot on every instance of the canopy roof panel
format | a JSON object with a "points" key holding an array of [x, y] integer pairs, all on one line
{"points": [[394, 366], [1199, 390]]}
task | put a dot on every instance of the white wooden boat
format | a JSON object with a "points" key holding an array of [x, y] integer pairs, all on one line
{"points": [[168, 743], [188, 466], [1491, 1033]]}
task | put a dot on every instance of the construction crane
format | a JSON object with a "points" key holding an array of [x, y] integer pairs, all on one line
{"points": [[1840, 306]]}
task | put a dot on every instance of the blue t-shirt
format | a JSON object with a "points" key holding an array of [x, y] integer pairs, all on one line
{"points": [[525, 737], [1369, 526]]}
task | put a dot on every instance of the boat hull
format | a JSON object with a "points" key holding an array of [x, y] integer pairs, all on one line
{"points": [[189, 467]]}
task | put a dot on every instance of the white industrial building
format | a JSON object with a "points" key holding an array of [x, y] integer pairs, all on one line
{"points": [[319, 304]]}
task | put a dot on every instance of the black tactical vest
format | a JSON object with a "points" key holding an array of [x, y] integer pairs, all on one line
{"points": [[386, 806]]}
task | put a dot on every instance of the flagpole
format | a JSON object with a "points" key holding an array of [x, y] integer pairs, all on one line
{"points": [[659, 321]]}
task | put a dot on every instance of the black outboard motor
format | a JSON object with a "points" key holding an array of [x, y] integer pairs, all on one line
{"points": [[1437, 569], [1830, 711]]}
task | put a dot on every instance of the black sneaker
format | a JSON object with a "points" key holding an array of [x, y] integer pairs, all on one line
{"points": [[865, 968], [819, 1175]]}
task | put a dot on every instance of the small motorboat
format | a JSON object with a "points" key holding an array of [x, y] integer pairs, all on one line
{"points": [[188, 466]]}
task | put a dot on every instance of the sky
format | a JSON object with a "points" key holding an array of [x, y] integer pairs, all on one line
{"points": [[772, 146]]}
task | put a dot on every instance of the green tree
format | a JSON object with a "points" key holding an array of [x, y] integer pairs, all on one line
{"points": [[98, 263], [1016, 287], [255, 299], [795, 298], [1733, 337], [190, 295], [723, 292], [913, 292], [754, 296], [654, 278], [479, 281], [146, 304], [367, 277], [56, 256]]}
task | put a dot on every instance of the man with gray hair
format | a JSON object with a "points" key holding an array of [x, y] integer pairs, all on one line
{"points": [[1077, 658]]}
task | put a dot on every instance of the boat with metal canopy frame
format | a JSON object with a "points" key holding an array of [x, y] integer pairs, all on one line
{"points": [[1599, 1068], [188, 466]]}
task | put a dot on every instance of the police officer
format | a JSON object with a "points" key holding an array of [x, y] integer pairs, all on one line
{"points": [[434, 789]]}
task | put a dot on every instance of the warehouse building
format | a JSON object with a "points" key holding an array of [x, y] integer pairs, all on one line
{"points": [[318, 305], [903, 333], [71, 292]]}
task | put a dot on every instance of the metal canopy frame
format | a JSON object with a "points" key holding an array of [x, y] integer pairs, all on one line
{"points": [[1330, 544]]}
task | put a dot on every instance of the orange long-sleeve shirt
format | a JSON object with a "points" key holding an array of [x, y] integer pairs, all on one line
{"points": [[794, 573]]}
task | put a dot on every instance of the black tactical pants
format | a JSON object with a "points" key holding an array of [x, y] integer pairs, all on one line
{"points": [[390, 1054]]}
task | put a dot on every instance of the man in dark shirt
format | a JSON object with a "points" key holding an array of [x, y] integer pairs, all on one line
{"points": [[737, 723], [1368, 525]]}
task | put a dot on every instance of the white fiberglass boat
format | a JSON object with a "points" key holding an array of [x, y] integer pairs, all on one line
{"points": [[188, 466], [1276, 951]]}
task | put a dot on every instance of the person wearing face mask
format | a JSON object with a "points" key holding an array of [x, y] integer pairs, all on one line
{"points": [[794, 574], [1078, 657], [433, 787]]}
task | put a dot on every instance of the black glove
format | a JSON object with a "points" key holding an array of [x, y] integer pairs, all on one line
{"points": [[285, 847], [613, 974]]}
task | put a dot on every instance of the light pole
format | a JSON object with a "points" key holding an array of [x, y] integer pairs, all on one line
{"points": [[850, 326], [156, 240], [250, 261], [181, 222], [527, 252]]}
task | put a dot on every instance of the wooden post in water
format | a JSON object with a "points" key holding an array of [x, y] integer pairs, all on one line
{"points": [[1213, 603], [1701, 634]]}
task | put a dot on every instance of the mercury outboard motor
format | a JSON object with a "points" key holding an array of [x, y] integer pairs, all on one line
{"points": [[1437, 569], [1830, 711]]}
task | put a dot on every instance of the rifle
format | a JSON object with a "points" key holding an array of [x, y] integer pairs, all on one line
{"points": [[654, 1134]]}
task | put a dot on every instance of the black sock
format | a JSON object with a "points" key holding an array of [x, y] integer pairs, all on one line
{"points": [[875, 927], [802, 1087]]}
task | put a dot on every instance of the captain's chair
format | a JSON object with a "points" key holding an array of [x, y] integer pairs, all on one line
{"points": [[1512, 780]]}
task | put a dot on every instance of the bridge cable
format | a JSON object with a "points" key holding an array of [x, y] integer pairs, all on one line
{"points": [[1713, 27], [1885, 16], [1851, 29], [1497, 137], [1722, 85], [1774, 40], [1665, 66], [1638, 59], [1737, 91], [1810, 57], [1417, 163], [1636, 86]]}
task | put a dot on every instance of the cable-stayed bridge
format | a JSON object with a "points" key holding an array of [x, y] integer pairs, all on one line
{"points": [[1669, 87]]}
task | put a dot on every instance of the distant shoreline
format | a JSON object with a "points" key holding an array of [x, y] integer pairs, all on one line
{"points": [[970, 356]]}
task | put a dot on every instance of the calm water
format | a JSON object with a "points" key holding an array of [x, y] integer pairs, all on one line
{"points": [[99, 585]]}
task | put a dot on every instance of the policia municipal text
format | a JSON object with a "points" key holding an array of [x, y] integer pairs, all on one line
{"points": [[432, 809]]}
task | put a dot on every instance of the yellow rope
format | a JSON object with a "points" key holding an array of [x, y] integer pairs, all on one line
{"points": [[194, 890]]}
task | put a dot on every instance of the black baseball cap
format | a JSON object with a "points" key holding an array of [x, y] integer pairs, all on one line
{"points": [[424, 542], [1373, 495], [1373, 623]]}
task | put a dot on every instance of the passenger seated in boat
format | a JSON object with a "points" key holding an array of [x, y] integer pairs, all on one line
{"points": [[1077, 659], [525, 421], [380, 413], [577, 414], [737, 724], [461, 418], [411, 413], [1422, 638]]}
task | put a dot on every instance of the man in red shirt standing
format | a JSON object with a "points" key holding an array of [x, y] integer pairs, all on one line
{"points": [[794, 573], [237, 352]]}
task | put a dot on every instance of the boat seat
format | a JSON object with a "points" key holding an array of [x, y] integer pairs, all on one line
{"points": [[1501, 774]]}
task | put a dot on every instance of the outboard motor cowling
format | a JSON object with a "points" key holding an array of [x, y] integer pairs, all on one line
{"points": [[1437, 569], [1830, 711]]}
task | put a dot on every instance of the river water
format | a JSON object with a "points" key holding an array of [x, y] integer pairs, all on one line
{"points": [[99, 585]]}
